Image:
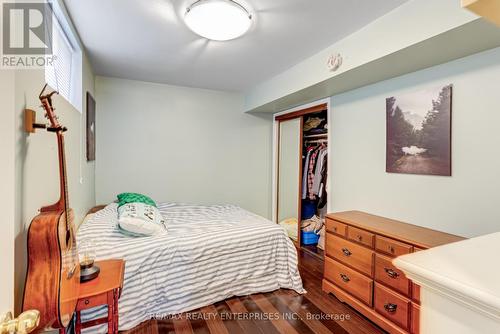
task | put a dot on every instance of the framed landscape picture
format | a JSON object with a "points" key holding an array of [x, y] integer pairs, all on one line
{"points": [[419, 132], [90, 128]]}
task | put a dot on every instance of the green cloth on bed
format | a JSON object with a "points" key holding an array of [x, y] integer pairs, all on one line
{"points": [[126, 198]]}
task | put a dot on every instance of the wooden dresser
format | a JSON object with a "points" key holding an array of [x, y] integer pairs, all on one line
{"points": [[359, 271]]}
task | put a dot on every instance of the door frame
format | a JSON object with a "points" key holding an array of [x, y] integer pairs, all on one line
{"points": [[289, 114]]}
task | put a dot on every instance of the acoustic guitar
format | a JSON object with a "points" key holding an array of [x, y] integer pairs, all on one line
{"points": [[53, 274]]}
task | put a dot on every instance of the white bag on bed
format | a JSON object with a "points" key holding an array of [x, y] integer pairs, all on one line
{"points": [[140, 219]]}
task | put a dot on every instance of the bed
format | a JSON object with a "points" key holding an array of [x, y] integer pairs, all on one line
{"points": [[208, 254]]}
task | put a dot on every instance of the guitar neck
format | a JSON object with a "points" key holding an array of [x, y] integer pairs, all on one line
{"points": [[63, 177], [62, 204]]}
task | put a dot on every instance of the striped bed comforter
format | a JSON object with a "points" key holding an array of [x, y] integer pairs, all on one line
{"points": [[208, 254]]}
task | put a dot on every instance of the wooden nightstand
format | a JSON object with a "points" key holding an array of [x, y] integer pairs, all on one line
{"points": [[104, 290]]}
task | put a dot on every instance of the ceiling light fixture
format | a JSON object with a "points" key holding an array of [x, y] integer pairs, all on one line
{"points": [[219, 20]]}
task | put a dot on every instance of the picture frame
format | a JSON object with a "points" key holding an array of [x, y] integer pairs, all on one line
{"points": [[91, 135], [419, 132]]}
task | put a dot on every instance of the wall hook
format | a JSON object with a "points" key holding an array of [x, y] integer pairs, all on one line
{"points": [[30, 124]]}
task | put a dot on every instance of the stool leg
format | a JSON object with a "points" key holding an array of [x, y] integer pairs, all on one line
{"points": [[110, 313], [78, 326], [115, 309]]}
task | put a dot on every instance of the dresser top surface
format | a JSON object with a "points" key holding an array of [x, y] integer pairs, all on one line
{"points": [[416, 235]]}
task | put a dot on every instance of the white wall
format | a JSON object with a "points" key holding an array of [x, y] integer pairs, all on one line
{"points": [[181, 144], [7, 169], [466, 203], [37, 173], [398, 29]]}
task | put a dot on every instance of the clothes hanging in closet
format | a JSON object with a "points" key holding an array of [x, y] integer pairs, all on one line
{"points": [[315, 173]]}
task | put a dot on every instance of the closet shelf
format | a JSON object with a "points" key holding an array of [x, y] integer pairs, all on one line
{"points": [[318, 136]]}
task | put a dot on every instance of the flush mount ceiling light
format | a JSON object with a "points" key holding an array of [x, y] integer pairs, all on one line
{"points": [[219, 20]]}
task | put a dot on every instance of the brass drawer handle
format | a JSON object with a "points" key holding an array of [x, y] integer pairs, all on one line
{"points": [[345, 278], [360, 238], [391, 273], [391, 308], [391, 249], [87, 301], [346, 252], [335, 228]]}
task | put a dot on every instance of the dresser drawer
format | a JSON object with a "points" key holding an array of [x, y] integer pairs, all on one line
{"points": [[392, 247], [363, 237], [335, 227], [349, 280], [387, 273], [415, 319], [392, 305], [355, 256]]}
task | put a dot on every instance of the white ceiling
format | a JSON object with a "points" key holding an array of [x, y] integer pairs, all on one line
{"points": [[147, 40]]}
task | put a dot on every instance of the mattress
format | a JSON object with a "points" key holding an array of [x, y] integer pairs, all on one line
{"points": [[208, 254]]}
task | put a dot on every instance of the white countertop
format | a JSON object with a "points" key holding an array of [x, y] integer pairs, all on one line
{"points": [[467, 271]]}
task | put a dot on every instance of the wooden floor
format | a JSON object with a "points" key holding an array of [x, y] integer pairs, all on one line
{"points": [[314, 250], [278, 312]]}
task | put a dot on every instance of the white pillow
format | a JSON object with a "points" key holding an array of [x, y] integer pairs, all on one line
{"points": [[140, 219]]}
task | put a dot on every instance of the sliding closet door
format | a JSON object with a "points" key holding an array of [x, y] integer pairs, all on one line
{"points": [[289, 169]]}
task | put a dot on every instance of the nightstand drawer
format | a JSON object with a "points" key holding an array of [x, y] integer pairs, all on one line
{"points": [[349, 253], [363, 237], [387, 273], [392, 305], [89, 302], [335, 227], [349, 280], [392, 247]]}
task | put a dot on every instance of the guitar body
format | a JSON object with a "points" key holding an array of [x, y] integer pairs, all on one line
{"points": [[53, 277], [53, 273]]}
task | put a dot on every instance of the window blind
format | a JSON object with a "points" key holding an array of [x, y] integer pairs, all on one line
{"points": [[59, 76]]}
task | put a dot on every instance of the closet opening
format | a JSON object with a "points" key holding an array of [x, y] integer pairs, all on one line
{"points": [[302, 176]]}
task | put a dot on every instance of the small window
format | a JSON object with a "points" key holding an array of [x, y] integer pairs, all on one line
{"points": [[65, 75]]}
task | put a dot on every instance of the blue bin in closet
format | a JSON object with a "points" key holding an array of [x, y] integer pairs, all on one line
{"points": [[309, 238]]}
